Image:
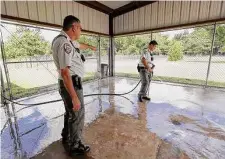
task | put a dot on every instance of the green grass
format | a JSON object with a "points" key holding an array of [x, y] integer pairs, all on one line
{"points": [[207, 61], [21, 92], [175, 80]]}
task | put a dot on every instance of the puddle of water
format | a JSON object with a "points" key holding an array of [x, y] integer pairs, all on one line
{"points": [[194, 134], [192, 119]]}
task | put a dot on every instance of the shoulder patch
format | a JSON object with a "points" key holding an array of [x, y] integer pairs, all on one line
{"points": [[67, 48]]}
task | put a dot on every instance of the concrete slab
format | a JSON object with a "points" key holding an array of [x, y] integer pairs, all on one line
{"points": [[178, 121]]}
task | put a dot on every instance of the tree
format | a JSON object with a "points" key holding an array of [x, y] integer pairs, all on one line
{"points": [[220, 38], [91, 40], [198, 42], [120, 44], [104, 45], [26, 42], [163, 43], [176, 51], [181, 36]]}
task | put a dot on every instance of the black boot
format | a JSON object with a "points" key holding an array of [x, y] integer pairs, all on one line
{"points": [[140, 99], [74, 149], [85, 147], [146, 98]]}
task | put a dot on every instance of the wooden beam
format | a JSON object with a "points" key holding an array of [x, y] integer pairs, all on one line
{"points": [[131, 6], [97, 6]]}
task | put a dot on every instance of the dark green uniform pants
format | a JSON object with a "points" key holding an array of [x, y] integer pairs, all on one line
{"points": [[73, 121], [145, 82]]}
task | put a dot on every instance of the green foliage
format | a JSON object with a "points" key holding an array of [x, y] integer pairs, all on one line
{"points": [[93, 41], [198, 42], [175, 52], [222, 49], [163, 43], [104, 45], [131, 45], [26, 42]]}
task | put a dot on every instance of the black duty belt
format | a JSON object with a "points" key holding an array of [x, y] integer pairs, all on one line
{"points": [[77, 82]]}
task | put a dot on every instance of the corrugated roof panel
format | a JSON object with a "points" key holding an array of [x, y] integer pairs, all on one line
{"points": [[90, 18], [50, 12], [176, 13], [185, 11], [204, 10], [141, 18], [107, 23], [154, 17], [117, 24], [168, 13], [81, 13], [11, 8], [75, 9], [85, 20], [215, 9], [94, 20], [102, 28], [69, 7], [136, 17], [98, 21], [121, 24], [57, 13], [32, 10], [42, 16], [194, 10], [3, 10], [131, 21], [148, 16], [161, 15], [126, 22], [222, 14], [23, 9]]}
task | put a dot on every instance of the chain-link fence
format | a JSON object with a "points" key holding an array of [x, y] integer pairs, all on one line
{"points": [[29, 61], [217, 66], [182, 56]]}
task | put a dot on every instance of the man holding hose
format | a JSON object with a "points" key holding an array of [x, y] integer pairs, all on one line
{"points": [[145, 69]]}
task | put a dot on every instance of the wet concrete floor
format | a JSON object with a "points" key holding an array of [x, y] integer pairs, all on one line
{"points": [[179, 122]]}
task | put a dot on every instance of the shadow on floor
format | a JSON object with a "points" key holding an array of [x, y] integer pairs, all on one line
{"points": [[24, 135]]}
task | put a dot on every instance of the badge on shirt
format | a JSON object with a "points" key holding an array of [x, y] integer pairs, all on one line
{"points": [[67, 48]]}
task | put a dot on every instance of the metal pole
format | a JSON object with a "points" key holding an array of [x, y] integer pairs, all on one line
{"points": [[210, 56], [14, 130], [99, 57], [111, 57], [6, 68]]}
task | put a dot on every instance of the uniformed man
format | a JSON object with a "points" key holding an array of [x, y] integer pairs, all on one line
{"points": [[145, 69], [70, 66]]}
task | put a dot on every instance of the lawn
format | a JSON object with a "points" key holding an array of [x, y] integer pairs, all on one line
{"points": [[175, 80], [21, 92]]}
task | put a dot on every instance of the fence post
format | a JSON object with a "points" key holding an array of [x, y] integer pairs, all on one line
{"points": [[210, 56]]}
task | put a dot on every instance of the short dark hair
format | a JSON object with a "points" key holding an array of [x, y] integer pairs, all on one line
{"points": [[68, 21], [153, 42]]}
